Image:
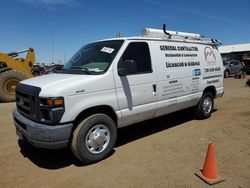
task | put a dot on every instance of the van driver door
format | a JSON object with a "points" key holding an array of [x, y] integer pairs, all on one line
{"points": [[136, 84]]}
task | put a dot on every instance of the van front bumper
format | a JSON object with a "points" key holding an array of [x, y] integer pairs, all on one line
{"points": [[41, 135]]}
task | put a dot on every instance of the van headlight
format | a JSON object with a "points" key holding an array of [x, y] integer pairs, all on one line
{"points": [[51, 109]]}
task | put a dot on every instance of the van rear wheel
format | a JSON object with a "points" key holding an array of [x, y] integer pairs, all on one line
{"points": [[94, 138], [205, 106]]}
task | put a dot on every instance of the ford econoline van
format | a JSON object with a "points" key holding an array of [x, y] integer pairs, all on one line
{"points": [[118, 82]]}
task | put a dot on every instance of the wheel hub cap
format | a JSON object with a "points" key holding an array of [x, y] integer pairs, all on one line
{"points": [[207, 105], [97, 139]]}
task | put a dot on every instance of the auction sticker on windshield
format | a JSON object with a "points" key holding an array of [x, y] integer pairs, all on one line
{"points": [[107, 50]]}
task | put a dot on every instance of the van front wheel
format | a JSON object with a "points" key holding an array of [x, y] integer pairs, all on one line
{"points": [[205, 106], [94, 138]]}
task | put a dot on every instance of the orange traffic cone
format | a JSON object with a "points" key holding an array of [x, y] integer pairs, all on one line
{"points": [[209, 172]]}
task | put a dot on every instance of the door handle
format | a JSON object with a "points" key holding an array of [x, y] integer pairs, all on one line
{"points": [[154, 88]]}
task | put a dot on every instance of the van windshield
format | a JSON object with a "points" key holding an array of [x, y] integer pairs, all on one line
{"points": [[94, 58]]}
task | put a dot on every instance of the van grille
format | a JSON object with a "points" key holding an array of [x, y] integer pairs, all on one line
{"points": [[27, 101]]}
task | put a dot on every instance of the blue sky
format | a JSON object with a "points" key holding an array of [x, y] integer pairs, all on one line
{"points": [[63, 26]]}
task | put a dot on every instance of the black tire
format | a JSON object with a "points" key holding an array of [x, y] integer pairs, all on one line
{"points": [[8, 82], [205, 106], [35, 74], [85, 137], [240, 74]]}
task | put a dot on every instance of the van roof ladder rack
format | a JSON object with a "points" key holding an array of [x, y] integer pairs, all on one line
{"points": [[176, 35]]}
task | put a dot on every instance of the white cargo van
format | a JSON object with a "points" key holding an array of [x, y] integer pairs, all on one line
{"points": [[117, 82]]}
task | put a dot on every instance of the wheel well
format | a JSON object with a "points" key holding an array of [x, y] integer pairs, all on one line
{"points": [[210, 89], [107, 110]]}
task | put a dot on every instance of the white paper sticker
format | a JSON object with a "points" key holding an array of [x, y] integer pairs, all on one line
{"points": [[107, 50]]}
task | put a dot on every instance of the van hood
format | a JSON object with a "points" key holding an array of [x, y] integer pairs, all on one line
{"points": [[53, 85]]}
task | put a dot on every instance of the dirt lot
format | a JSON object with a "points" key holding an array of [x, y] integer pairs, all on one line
{"points": [[164, 152]]}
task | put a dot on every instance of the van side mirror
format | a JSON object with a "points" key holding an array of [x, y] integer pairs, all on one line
{"points": [[127, 67]]}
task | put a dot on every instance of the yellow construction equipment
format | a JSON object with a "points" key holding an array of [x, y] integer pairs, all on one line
{"points": [[14, 69]]}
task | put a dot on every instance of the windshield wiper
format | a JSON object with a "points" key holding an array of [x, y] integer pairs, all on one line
{"points": [[79, 69]]}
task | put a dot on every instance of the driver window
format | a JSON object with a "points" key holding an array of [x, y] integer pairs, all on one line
{"points": [[137, 56]]}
